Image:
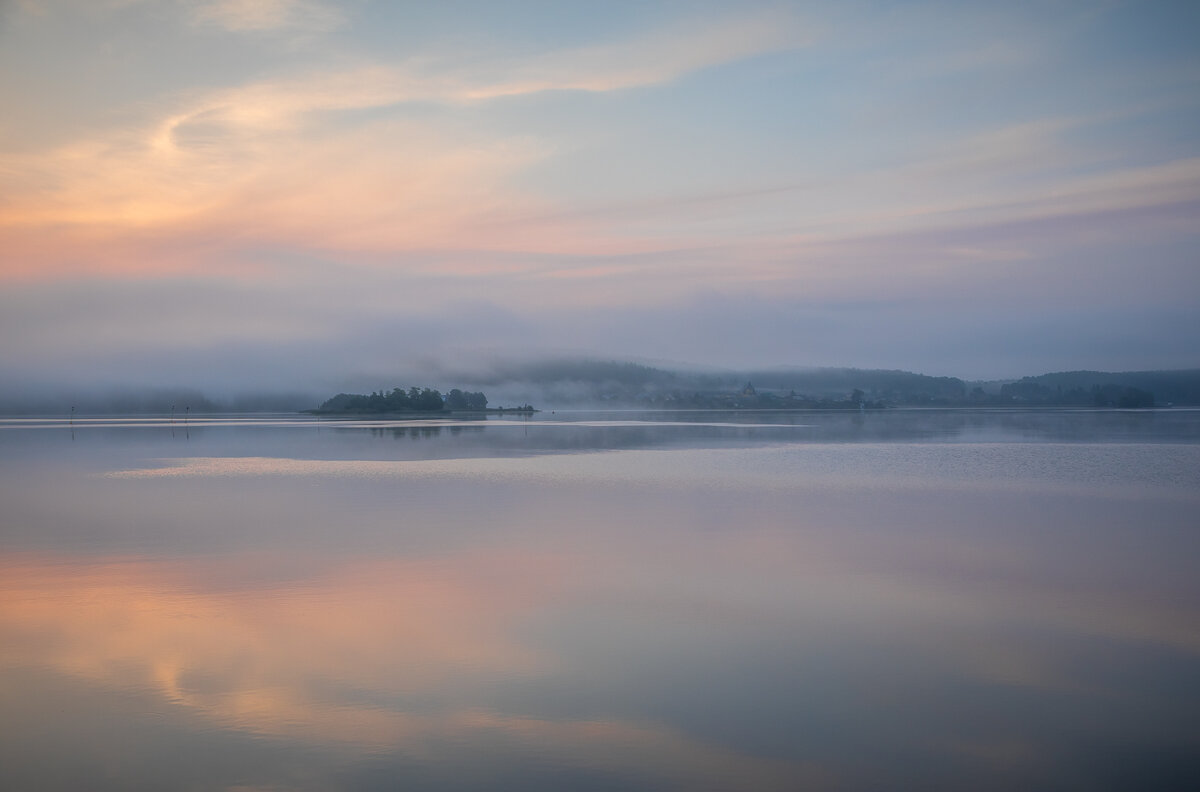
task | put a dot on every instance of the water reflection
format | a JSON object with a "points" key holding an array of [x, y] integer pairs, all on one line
{"points": [[567, 431], [708, 612], [390, 657]]}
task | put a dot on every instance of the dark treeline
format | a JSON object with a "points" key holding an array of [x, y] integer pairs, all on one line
{"points": [[1110, 394], [750, 398], [401, 401], [881, 385], [1107, 389]]}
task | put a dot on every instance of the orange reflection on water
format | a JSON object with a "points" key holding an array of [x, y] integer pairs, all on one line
{"points": [[254, 654], [371, 654]]}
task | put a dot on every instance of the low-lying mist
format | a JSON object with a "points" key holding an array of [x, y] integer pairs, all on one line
{"points": [[593, 383]]}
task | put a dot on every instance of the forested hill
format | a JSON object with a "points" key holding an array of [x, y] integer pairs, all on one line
{"points": [[1101, 388], [882, 384], [594, 383]]}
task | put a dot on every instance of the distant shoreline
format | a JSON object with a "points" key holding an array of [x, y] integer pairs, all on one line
{"points": [[575, 385], [155, 415]]}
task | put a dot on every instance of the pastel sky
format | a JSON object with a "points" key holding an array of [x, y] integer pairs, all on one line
{"points": [[299, 193]]}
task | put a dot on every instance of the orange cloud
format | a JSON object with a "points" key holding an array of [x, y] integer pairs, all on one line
{"points": [[284, 162]]}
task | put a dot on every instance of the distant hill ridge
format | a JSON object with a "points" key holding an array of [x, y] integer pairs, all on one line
{"points": [[617, 383], [584, 383]]}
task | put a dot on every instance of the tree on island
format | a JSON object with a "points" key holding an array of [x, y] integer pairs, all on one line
{"points": [[401, 401], [463, 400]]}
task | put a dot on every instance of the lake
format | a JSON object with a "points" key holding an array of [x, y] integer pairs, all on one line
{"points": [[928, 599]]}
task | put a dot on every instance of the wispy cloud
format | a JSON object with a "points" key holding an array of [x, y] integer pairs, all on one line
{"points": [[651, 59], [215, 158], [242, 16]]}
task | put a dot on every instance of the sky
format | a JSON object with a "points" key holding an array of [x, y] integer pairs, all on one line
{"points": [[304, 194]]}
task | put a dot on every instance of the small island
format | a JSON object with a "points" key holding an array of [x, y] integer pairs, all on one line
{"points": [[412, 401]]}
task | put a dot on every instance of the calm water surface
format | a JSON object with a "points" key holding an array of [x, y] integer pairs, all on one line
{"points": [[910, 599]]}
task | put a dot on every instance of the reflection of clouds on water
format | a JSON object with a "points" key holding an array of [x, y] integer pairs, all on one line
{"points": [[799, 614], [1164, 471], [384, 656], [653, 639]]}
